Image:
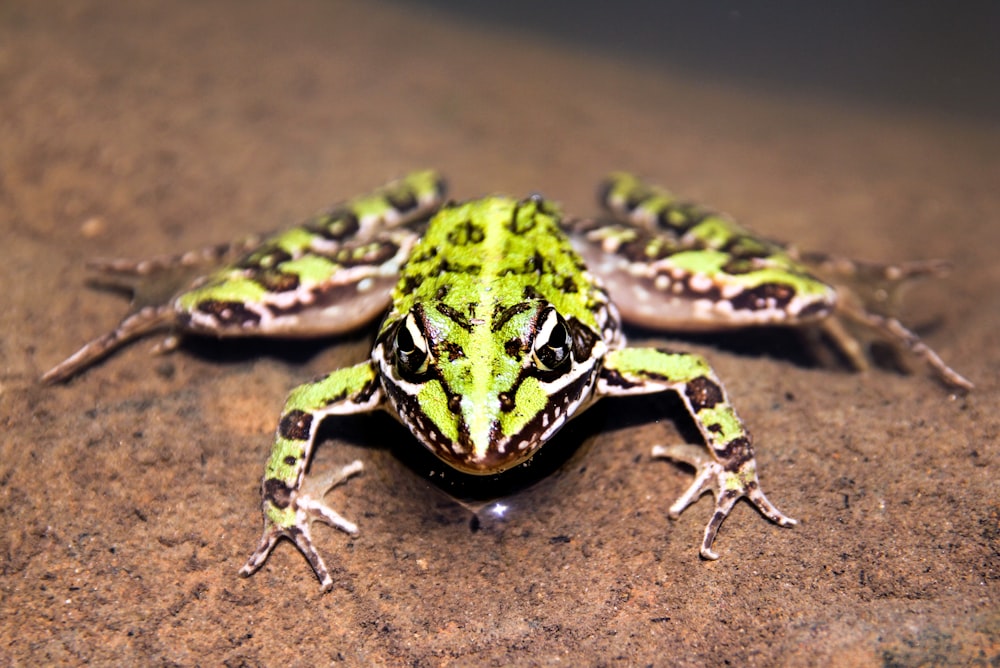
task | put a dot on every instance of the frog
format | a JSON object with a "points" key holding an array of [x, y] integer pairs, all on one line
{"points": [[501, 320]]}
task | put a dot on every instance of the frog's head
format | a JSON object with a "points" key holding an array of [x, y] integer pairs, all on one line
{"points": [[486, 388]]}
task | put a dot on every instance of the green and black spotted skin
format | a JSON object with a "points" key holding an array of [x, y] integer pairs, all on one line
{"points": [[498, 328], [333, 272], [495, 335], [672, 264]]}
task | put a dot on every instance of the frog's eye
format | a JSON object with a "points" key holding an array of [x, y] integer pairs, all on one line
{"points": [[410, 348], [552, 342]]}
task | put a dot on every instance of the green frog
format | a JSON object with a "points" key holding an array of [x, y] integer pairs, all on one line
{"points": [[501, 321]]}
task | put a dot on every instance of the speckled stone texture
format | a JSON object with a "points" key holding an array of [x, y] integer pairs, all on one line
{"points": [[130, 494]]}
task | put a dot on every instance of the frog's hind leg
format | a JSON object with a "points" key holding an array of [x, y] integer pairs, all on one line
{"points": [[897, 333], [134, 325], [868, 293], [127, 272], [878, 285], [829, 338], [152, 282]]}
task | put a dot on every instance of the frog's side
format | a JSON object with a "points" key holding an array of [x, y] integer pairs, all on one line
{"points": [[496, 332]]}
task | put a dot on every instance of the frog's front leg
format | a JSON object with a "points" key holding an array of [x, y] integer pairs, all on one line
{"points": [[730, 470], [288, 504]]}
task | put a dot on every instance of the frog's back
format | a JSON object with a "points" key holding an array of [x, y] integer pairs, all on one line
{"points": [[500, 252]]}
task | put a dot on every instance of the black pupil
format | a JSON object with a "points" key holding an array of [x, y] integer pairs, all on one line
{"points": [[559, 337], [556, 349], [409, 358], [404, 340]]}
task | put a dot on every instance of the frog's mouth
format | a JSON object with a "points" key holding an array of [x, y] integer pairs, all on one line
{"points": [[490, 451], [502, 457]]}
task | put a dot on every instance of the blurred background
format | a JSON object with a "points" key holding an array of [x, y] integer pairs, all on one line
{"points": [[941, 55]]}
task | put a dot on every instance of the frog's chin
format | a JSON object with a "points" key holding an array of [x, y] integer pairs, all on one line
{"points": [[497, 458]]}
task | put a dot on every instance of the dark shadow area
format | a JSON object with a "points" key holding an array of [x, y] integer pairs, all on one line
{"points": [[380, 432], [935, 55], [239, 350], [492, 498], [780, 343]]}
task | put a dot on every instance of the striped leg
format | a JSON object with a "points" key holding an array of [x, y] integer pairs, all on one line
{"points": [[729, 469], [328, 275], [288, 506]]}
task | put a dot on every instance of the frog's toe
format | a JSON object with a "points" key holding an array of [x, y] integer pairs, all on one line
{"points": [[727, 486], [292, 518], [297, 533], [700, 461], [260, 554], [306, 510]]}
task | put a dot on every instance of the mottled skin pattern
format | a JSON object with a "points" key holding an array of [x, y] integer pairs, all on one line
{"points": [[678, 266], [326, 276], [497, 332], [490, 285], [678, 257]]}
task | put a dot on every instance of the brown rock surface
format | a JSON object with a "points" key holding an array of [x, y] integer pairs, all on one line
{"points": [[129, 495]]}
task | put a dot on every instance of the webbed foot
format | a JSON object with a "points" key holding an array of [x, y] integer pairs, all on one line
{"points": [[727, 486], [292, 518]]}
